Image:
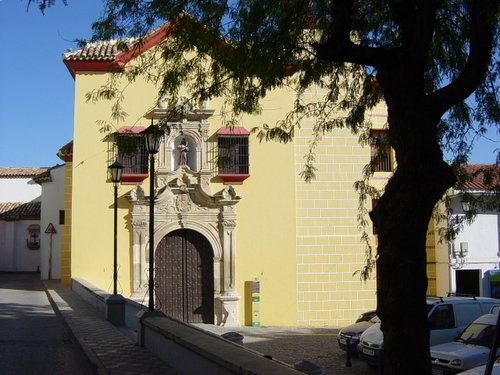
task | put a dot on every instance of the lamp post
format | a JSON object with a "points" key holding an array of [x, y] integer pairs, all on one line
{"points": [[152, 137], [115, 303], [115, 171]]}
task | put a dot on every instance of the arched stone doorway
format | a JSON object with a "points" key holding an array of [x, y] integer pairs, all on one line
{"points": [[185, 276], [184, 203]]}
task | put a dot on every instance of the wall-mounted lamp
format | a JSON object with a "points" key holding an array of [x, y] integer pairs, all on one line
{"points": [[458, 255], [466, 205]]}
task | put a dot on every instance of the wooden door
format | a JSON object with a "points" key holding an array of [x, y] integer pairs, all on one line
{"points": [[185, 277]]}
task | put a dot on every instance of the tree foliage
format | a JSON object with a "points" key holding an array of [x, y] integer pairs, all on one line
{"points": [[434, 62]]}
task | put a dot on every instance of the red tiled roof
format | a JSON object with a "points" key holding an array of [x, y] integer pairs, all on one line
{"points": [[20, 210], [232, 130], [130, 130], [107, 56], [10, 172], [479, 177], [100, 51], [65, 153]]}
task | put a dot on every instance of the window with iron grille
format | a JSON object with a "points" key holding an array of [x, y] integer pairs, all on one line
{"points": [[129, 149], [233, 155], [132, 154], [380, 150]]}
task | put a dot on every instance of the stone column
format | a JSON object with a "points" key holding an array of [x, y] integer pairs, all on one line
{"points": [[138, 255], [229, 298]]}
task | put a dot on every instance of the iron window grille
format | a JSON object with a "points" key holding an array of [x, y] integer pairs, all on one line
{"points": [[232, 155], [129, 149], [380, 151]]}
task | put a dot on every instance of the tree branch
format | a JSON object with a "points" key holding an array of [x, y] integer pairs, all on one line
{"points": [[338, 46], [483, 18]]}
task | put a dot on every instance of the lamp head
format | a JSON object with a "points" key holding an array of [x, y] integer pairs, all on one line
{"points": [[115, 171], [152, 138]]}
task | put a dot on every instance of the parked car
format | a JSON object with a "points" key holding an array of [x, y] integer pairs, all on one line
{"points": [[448, 317], [480, 370], [348, 337], [469, 350], [366, 316]]}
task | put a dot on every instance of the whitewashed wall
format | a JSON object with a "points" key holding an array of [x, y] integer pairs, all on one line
{"points": [[483, 242], [19, 190], [14, 254], [52, 203]]}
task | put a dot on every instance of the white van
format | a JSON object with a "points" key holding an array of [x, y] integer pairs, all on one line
{"points": [[448, 317], [469, 350]]}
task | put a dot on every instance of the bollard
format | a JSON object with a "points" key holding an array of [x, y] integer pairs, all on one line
{"points": [[233, 337], [348, 360]]}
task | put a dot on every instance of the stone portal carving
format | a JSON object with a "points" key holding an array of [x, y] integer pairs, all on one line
{"points": [[183, 200]]}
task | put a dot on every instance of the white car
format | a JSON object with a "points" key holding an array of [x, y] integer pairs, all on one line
{"points": [[448, 317], [470, 349], [480, 370]]}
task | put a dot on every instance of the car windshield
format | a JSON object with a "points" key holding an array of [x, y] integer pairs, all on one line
{"points": [[375, 319], [478, 334]]}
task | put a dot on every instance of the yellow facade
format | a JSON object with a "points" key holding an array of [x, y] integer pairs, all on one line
{"points": [[66, 228], [300, 240]]}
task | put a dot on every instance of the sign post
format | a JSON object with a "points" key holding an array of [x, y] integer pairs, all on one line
{"points": [[50, 230]]}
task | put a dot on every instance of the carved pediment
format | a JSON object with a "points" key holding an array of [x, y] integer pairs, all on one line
{"points": [[181, 192]]}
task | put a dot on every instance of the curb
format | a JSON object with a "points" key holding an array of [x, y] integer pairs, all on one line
{"points": [[62, 309]]}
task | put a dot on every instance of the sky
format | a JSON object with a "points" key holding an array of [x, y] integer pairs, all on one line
{"points": [[36, 95]]}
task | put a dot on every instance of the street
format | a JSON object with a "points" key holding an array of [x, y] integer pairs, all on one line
{"points": [[318, 348], [317, 345], [34, 339]]}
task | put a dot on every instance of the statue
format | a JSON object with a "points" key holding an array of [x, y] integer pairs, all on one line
{"points": [[183, 149]]}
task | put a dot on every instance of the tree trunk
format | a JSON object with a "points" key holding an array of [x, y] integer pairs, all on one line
{"points": [[401, 217]]}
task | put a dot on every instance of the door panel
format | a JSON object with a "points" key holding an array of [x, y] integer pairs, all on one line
{"points": [[184, 261]]}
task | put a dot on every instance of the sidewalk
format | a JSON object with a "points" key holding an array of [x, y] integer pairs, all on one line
{"points": [[111, 349]]}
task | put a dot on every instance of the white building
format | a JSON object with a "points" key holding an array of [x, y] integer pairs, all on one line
{"points": [[51, 220], [474, 255], [20, 204]]}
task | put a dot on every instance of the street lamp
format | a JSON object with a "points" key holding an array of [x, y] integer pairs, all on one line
{"points": [[115, 303], [115, 171], [152, 138], [466, 205]]}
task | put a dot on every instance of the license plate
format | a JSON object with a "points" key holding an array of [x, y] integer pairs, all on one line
{"points": [[369, 352], [437, 371], [343, 341]]}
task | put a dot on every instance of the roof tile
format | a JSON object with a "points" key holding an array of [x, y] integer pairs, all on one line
{"points": [[479, 177], [10, 172], [20, 210], [100, 51]]}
